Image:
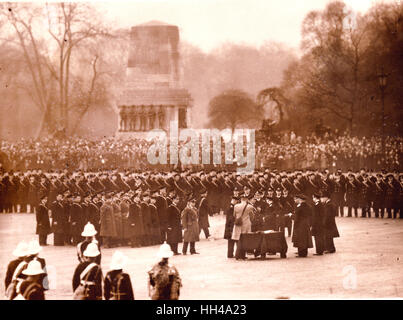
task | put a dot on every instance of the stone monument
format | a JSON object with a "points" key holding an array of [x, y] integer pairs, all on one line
{"points": [[153, 94]]}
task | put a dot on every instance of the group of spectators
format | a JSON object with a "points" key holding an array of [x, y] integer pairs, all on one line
{"points": [[331, 152], [342, 152]]}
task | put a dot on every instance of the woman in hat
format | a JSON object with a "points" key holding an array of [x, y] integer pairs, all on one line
{"points": [[164, 280], [88, 233], [87, 278], [190, 226], [31, 288], [117, 284]]}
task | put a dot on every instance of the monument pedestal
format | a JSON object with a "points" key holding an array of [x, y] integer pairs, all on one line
{"points": [[153, 95]]}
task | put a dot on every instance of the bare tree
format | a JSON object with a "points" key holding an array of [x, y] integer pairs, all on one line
{"points": [[49, 51]]}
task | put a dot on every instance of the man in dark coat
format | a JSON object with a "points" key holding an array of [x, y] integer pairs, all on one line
{"points": [[58, 221], [77, 219], [318, 225], [301, 236], [331, 230], [174, 233], [203, 213], [365, 195], [155, 222], [42, 221], [269, 215], [146, 217], [136, 222], [162, 207], [352, 191], [378, 196], [67, 204], [229, 226], [391, 192], [93, 214], [338, 191], [287, 204]]}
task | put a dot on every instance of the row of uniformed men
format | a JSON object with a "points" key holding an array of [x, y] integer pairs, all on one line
{"points": [[381, 191], [137, 218]]}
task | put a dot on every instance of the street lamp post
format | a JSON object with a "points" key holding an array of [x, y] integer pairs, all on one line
{"points": [[382, 85]]}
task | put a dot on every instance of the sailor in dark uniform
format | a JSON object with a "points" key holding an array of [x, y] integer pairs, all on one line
{"points": [[117, 284], [88, 233]]}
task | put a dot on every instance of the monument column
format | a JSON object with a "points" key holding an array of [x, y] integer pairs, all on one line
{"points": [[153, 86]]}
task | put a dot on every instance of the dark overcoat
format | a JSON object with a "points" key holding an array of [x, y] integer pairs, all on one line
{"points": [[229, 222], [204, 211], [174, 233], [58, 217], [330, 212], [124, 211], [301, 236], [42, 221], [318, 220], [117, 286], [135, 220], [94, 276], [77, 219], [155, 222]]}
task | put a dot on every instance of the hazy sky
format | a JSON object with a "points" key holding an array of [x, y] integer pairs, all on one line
{"points": [[208, 23]]}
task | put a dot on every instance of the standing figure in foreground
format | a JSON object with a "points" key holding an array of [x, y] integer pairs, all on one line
{"points": [[43, 222], [331, 231], [31, 288], [117, 284], [301, 236], [242, 224], [229, 226], [87, 278], [190, 226], [14, 270], [203, 213], [318, 225], [164, 280], [174, 228], [89, 234]]}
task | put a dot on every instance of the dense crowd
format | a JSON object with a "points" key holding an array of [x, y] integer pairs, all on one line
{"points": [[338, 152], [286, 154]]}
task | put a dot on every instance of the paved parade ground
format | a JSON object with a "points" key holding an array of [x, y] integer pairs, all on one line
{"points": [[368, 264]]}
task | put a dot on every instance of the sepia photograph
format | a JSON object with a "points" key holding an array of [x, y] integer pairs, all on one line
{"points": [[201, 150]]}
